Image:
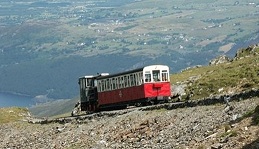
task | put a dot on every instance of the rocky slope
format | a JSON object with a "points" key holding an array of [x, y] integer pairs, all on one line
{"points": [[211, 126]]}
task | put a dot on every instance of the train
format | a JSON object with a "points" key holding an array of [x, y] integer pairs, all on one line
{"points": [[142, 86]]}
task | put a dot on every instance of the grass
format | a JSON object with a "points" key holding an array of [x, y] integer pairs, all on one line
{"points": [[12, 114], [229, 133], [240, 74]]}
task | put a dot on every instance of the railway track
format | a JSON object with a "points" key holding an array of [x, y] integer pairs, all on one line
{"points": [[83, 118]]}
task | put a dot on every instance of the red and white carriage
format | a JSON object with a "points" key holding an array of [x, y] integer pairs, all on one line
{"points": [[142, 86]]}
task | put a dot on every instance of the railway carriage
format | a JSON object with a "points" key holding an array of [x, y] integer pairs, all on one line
{"points": [[142, 86]]}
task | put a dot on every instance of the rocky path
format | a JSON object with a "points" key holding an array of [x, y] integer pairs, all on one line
{"points": [[194, 127]]}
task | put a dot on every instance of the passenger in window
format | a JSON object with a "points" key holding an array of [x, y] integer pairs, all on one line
{"points": [[156, 79], [164, 78], [148, 80]]}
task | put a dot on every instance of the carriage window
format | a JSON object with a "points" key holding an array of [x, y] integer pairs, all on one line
{"points": [[129, 81], [122, 82], [156, 75], [103, 85], [125, 81], [132, 79], [147, 76], [99, 87], [94, 83], [140, 78], [113, 83], [107, 84], [164, 75], [136, 79], [90, 82], [119, 82]]}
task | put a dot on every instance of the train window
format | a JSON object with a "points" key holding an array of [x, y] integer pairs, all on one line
{"points": [[156, 75], [125, 81], [119, 82], [147, 76], [99, 87], [90, 82], [135, 79], [164, 75], [114, 83], [95, 82], [140, 78], [81, 82], [111, 81], [87, 82], [132, 79], [128, 81], [103, 85], [84, 82], [108, 84]]}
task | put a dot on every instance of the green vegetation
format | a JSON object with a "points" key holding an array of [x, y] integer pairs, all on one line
{"points": [[58, 108], [229, 134], [12, 114], [241, 74], [37, 37]]}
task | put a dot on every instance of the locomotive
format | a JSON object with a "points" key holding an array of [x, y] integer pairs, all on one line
{"points": [[142, 86]]}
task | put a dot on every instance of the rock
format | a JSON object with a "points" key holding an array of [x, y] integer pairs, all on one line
{"points": [[219, 60], [217, 146]]}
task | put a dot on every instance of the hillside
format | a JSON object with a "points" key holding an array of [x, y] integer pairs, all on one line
{"points": [[232, 125], [222, 77], [49, 44]]}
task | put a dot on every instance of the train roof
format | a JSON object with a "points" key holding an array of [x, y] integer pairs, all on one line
{"points": [[121, 73], [129, 71], [95, 76]]}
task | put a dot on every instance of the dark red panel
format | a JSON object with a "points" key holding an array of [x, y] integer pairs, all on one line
{"points": [[121, 95], [134, 93]]}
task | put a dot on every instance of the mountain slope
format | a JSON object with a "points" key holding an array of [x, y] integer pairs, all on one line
{"points": [[224, 76]]}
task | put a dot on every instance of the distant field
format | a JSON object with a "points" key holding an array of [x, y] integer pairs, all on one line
{"points": [[177, 25], [60, 40]]}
